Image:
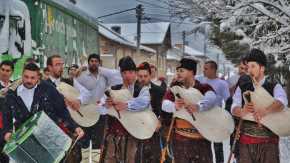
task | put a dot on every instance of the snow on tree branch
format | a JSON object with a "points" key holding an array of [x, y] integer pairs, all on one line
{"points": [[265, 23]]}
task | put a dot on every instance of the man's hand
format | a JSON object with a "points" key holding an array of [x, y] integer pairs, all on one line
{"points": [[109, 103], [73, 104], [191, 108], [7, 136], [120, 105], [79, 132], [179, 104], [158, 126], [248, 108], [259, 114]]}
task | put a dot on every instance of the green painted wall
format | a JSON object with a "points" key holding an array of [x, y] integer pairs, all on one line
{"points": [[57, 30]]}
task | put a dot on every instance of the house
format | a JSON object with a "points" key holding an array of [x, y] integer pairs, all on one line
{"points": [[153, 35], [113, 47], [175, 54]]}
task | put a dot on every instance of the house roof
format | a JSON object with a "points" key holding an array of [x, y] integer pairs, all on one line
{"points": [[191, 51], [151, 33], [114, 36], [174, 54]]}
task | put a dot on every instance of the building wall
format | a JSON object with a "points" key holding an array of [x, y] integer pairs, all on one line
{"points": [[112, 52], [161, 50], [171, 69]]}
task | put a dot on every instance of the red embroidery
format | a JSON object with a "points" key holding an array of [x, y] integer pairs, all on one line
{"points": [[245, 139]]}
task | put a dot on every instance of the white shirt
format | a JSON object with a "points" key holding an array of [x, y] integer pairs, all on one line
{"points": [[84, 93], [97, 84], [3, 84], [220, 87], [26, 95], [278, 92]]}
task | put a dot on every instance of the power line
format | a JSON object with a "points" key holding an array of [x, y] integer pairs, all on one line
{"points": [[115, 13], [177, 22], [152, 4]]}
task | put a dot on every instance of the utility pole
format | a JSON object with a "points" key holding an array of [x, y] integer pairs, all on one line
{"points": [[139, 14], [205, 40], [183, 43], [218, 58]]}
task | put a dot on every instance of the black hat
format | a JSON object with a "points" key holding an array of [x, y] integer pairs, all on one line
{"points": [[256, 55], [188, 64], [127, 64]]}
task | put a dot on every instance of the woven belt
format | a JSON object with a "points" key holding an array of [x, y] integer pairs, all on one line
{"points": [[185, 129]]}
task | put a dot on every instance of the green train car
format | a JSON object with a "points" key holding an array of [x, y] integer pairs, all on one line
{"points": [[40, 28]]}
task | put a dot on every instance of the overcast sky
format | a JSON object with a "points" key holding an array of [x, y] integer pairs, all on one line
{"points": [[153, 9]]}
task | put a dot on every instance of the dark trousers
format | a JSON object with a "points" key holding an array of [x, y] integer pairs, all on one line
{"points": [[94, 133], [219, 154], [120, 149], [192, 151], [149, 150], [259, 153], [4, 158], [75, 155]]}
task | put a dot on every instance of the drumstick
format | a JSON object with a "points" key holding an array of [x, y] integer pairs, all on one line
{"points": [[178, 96], [107, 93], [71, 147]]}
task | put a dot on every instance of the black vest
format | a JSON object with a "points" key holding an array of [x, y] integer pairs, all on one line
{"points": [[137, 89], [251, 128], [156, 96], [67, 81], [268, 85]]}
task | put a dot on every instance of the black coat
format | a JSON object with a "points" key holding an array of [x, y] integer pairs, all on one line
{"points": [[156, 95], [46, 98]]}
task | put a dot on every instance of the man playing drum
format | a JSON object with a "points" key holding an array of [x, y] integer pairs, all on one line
{"points": [[258, 144], [188, 144], [32, 96]]}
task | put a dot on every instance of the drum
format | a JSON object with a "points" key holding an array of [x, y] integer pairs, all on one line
{"points": [[38, 140]]}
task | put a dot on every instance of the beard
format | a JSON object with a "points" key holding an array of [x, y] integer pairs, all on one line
{"points": [[57, 74], [28, 85], [93, 68]]}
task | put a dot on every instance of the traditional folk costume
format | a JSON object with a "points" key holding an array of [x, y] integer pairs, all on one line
{"points": [[119, 145], [258, 144], [149, 150], [223, 93], [188, 144], [22, 103], [76, 155]]}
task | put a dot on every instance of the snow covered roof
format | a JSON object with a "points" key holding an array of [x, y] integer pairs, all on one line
{"points": [[151, 33], [114, 36], [191, 51]]}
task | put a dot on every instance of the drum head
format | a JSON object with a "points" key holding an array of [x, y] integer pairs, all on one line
{"points": [[21, 134]]}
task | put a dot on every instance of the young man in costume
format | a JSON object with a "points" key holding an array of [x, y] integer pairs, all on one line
{"points": [[258, 144]]}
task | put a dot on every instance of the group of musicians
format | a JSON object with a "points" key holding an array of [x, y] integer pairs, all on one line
{"points": [[256, 143]]}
